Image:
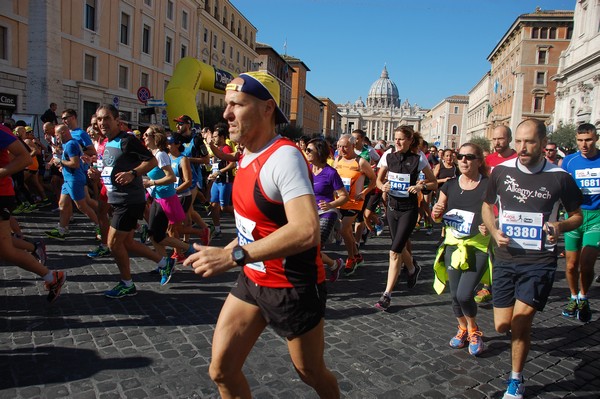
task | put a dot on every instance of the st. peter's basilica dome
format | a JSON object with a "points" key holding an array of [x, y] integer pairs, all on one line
{"points": [[383, 93]]}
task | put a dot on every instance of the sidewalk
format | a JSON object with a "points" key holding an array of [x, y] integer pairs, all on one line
{"points": [[157, 344]]}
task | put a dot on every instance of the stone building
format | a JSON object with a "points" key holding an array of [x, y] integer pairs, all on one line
{"points": [[80, 53], [578, 76], [382, 113], [521, 66], [478, 113], [443, 124]]}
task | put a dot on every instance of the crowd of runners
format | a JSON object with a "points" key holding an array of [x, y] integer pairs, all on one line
{"points": [[145, 192]]}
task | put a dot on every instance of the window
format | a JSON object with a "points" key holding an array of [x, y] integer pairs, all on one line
{"points": [[538, 103], [225, 16], [231, 52], [183, 50], [89, 68], [542, 55], [205, 35], [123, 77], [90, 14], [232, 28], [168, 50], [215, 41], [148, 3], [455, 128], [540, 78], [216, 10], [184, 20], [544, 33], [456, 110], [223, 48], [145, 80], [552, 34], [170, 7], [535, 33], [146, 40], [237, 57], [124, 29], [3, 43]]}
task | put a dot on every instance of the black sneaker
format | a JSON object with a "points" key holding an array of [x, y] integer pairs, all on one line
{"points": [[384, 302], [584, 313], [411, 279]]}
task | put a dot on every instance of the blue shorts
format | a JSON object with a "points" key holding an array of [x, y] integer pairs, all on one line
{"points": [[529, 283], [221, 193], [73, 189]]}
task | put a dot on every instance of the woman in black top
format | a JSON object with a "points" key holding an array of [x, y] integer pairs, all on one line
{"points": [[462, 260], [446, 169]]}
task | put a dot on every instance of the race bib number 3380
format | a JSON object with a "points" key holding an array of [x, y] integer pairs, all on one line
{"points": [[523, 228]]}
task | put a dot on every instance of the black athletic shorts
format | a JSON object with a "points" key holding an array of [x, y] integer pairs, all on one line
{"points": [[291, 312], [7, 205], [125, 216], [529, 283]]}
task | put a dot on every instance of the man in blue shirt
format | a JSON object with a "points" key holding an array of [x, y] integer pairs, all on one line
{"points": [[581, 244]]}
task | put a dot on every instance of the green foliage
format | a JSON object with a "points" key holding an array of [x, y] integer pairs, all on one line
{"points": [[481, 141], [564, 136], [210, 116], [289, 131]]}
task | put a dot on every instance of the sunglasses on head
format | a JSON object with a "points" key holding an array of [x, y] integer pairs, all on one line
{"points": [[469, 157]]}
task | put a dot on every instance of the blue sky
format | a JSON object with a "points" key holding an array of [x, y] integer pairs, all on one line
{"points": [[432, 48]]}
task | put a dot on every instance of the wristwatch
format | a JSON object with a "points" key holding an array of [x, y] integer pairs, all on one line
{"points": [[133, 172], [239, 255]]}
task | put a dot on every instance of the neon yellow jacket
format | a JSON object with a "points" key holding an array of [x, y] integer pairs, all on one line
{"points": [[460, 258]]}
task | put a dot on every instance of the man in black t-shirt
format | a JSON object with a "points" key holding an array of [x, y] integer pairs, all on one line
{"points": [[527, 190]]}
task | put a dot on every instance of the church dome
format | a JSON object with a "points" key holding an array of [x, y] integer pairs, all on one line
{"points": [[359, 102], [383, 93]]}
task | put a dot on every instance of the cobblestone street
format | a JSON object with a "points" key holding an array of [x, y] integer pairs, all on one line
{"points": [[157, 344]]}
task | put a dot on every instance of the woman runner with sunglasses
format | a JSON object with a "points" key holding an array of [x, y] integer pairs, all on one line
{"points": [[462, 259]]}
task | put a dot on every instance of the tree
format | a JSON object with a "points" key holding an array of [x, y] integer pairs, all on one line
{"points": [[289, 131], [564, 136], [210, 116], [481, 141]]}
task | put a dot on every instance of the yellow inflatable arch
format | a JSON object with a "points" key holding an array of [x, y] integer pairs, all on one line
{"points": [[190, 76]]}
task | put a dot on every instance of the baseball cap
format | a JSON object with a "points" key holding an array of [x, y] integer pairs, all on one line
{"points": [[263, 86], [173, 140], [28, 129], [137, 133], [184, 119]]}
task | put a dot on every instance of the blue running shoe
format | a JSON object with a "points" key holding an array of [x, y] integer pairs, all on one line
{"points": [[515, 389], [121, 290], [476, 345], [167, 271], [460, 339]]}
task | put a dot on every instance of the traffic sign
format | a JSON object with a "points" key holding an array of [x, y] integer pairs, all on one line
{"points": [[116, 101], [156, 103], [143, 94]]}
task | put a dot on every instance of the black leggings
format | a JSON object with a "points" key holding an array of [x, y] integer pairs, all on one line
{"points": [[463, 282], [401, 224]]}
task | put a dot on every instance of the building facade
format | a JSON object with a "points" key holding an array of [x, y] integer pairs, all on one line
{"points": [[578, 76], [269, 60], [445, 121], [81, 53], [331, 118], [521, 66], [479, 110], [382, 113]]}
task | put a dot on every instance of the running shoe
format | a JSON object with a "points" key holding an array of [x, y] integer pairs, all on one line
{"points": [[359, 259], [476, 345], [19, 209], [379, 228], [217, 234], [337, 268], [44, 203], [167, 271], [350, 267], [584, 313], [460, 339], [40, 252], [571, 309], [99, 252], [144, 234], [428, 229], [98, 233], [55, 233], [365, 236], [483, 295], [30, 208], [411, 279], [121, 290], [55, 286], [177, 257], [384, 302], [205, 236], [515, 389]]}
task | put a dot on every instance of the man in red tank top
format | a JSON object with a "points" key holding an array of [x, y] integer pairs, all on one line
{"points": [[282, 281]]}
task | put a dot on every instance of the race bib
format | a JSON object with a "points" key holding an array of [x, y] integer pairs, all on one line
{"points": [[347, 182], [588, 180], [245, 227], [105, 175], [459, 222], [399, 183], [523, 228]]}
